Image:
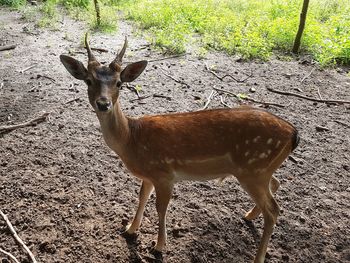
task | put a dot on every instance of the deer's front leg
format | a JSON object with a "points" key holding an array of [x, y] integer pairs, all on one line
{"points": [[145, 192], [163, 196]]}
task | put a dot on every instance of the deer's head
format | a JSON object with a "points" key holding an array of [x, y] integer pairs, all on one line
{"points": [[103, 82]]}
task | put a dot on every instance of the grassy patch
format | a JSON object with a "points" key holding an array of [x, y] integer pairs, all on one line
{"points": [[252, 28], [85, 10], [13, 3], [44, 15]]}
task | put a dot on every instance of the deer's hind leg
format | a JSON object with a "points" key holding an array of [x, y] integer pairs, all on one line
{"points": [[256, 211], [259, 191]]}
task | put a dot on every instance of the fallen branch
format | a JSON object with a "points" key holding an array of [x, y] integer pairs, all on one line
{"points": [[249, 99], [32, 122], [208, 99], [307, 98], [9, 255], [227, 75], [18, 239], [176, 80], [3, 48]]}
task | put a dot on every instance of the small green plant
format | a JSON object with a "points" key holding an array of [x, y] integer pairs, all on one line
{"points": [[49, 15], [76, 3], [29, 13], [13, 3], [108, 19]]}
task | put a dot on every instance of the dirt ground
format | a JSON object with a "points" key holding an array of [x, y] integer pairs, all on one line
{"points": [[69, 197]]}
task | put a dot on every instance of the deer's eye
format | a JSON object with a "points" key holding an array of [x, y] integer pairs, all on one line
{"points": [[119, 83], [88, 82]]}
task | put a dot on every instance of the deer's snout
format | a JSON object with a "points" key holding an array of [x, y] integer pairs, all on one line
{"points": [[103, 104]]}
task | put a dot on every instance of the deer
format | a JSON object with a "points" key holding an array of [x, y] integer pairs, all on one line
{"points": [[162, 150]]}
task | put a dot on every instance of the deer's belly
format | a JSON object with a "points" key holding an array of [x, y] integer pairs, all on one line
{"points": [[204, 169]]}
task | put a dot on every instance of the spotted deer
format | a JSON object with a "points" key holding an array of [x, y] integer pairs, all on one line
{"points": [[162, 150]]}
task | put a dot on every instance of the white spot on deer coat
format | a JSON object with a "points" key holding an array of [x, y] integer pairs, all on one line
{"points": [[169, 160], [262, 155], [269, 141], [250, 161], [278, 144], [256, 139]]}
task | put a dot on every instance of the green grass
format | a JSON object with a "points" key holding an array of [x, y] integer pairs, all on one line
{"points": [[85, 10], [254, 28], [13, 3]]}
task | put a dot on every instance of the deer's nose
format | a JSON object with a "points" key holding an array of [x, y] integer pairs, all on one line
{"points": [[103, 104]]}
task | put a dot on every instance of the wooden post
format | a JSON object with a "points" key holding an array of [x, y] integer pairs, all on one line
{"points": [[297, 40]]}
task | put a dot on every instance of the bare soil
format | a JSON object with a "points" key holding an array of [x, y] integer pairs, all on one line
{"points": [[69, 197]]}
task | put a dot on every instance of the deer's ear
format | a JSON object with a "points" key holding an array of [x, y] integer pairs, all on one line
{"points": [[132, 71], [74, 67]]}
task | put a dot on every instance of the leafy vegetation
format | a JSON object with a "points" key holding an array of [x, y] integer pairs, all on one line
{"points": [[46, 14], [84, 10], [13, 3], [253, 29]]}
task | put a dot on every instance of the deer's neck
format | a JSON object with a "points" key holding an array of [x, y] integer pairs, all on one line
{"points": [[115, 128]]}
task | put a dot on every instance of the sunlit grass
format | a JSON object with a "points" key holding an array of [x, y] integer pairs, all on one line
{"points": [[253, 29]]}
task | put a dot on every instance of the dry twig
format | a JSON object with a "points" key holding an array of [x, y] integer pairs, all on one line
{"points": [[12, 257], [72, 100], [223, 102], [28, 68], [18, 239], [174, 79], [3, 48], [46, 77], [102, 50], [308, 75], [249, 99], [319, 94], [141, 47], [307, 98], [342, 123], [140, 98], [32, 122], [227, 75], [161, 96], [134, 89], [212, 93], [321, 128]]}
